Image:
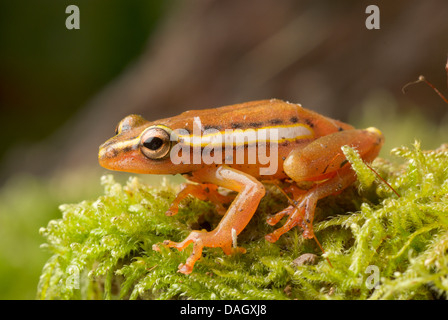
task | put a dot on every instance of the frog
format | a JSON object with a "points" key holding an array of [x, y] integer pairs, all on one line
{"points": [[227, 148]]}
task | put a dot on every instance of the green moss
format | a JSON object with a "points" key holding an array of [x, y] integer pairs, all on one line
{"points": [[381, 246]]}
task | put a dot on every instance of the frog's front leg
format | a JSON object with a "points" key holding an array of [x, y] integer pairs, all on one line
{"points": [[250, 191], [324, 162]]}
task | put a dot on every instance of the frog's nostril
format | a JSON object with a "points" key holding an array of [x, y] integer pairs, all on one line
{"points": [[106, 153], [101, 154]]}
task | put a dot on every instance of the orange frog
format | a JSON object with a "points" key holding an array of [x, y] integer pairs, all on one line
{"points": [[236, 147]]}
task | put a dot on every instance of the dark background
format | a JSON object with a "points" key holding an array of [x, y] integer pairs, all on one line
{"points": [[63, 91]]}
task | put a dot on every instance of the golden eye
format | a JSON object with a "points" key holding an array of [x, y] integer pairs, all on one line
{"points": [[155, 143]]}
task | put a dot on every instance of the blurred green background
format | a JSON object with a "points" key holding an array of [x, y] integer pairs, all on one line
{"points": [[47, 74], [63, 91]]}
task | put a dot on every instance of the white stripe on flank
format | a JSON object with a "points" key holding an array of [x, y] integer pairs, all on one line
{"points": [[213, 137]]}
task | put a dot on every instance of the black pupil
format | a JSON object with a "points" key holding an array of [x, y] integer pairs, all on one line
{"points": [[153, 143]]}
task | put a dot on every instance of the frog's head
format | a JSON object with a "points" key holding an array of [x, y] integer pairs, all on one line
{"points": [[140, 146]]}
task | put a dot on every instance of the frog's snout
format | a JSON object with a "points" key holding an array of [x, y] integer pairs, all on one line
{"points": [[102, 155], [106, 152]]}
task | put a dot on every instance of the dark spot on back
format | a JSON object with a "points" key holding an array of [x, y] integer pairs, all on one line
{"points": [[276, 121], [294, 119], [256, 124], [309, 122], [209, 127], [236, 125]]}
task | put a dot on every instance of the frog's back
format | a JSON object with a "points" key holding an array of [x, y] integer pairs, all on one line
{"points": [[255, 115]]}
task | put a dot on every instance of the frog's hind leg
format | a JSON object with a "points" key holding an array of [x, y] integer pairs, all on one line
{"points": [[302, 213], [323, 161], [274, 219], [297, 195]]}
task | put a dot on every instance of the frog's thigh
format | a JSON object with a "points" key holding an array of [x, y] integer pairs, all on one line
{"points": [[323, 157]]}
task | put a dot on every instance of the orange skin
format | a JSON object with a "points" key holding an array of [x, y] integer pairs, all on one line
{"points": [[315, 156]]}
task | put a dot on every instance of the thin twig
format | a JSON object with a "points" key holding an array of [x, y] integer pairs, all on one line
{"points": [[423, 79]]}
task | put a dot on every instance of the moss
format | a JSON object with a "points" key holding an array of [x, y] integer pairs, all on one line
{"points": [[381, 245]]}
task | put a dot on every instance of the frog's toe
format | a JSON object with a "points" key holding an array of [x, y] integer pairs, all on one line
{"points": [[185, 268], [295, 218], [271, 237], [274, 219]]}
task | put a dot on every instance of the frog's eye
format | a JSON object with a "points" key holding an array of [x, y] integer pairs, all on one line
{"points": [[155, 143]]}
